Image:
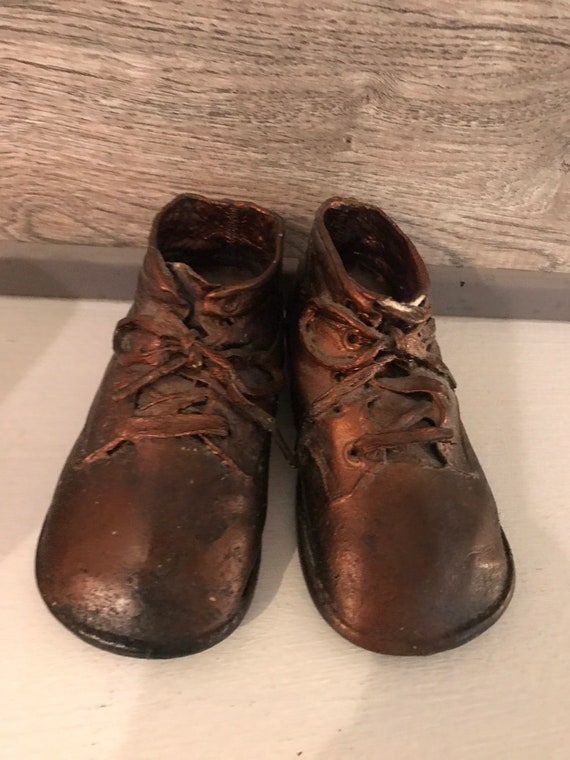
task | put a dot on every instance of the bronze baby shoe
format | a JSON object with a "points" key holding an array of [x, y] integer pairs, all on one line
{"points": [[399, 534], [152, 543]]}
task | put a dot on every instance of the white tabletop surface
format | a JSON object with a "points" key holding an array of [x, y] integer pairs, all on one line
{"points": [[285, 685]]}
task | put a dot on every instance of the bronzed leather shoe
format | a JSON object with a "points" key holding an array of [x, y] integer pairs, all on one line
{"points": [[399, 535], [152, 543]]}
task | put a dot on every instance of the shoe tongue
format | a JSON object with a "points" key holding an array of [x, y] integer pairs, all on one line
{"points": [[386, 288], [213, 299], [407, 311], [190, 283], [376, 307], [173, 283], [367, 292]]}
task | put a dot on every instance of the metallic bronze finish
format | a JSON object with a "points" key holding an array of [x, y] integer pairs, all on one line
{"points": [[152, 543], [399, 534]]}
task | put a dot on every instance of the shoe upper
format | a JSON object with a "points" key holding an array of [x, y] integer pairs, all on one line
{"points": [[152, 541], [401, 540]]}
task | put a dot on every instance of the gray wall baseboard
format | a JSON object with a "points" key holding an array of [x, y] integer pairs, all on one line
{"points": [[102, 273]]}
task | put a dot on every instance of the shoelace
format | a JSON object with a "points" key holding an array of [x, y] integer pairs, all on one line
{"points": [[365, 362], [168, 347]]}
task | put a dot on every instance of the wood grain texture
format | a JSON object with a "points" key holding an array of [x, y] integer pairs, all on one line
{"points": [[455, 117]]}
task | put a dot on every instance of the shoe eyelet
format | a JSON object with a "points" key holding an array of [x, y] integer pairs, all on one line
{"points": [[230, 304], [354, 457], [338, 376]]}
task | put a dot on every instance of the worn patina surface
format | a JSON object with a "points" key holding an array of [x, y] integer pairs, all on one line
{"points": [[152, 543]]}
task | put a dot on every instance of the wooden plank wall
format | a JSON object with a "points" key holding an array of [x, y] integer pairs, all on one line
{"points": [[453, 115]]}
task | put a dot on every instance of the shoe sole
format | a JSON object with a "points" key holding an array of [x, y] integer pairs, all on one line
{"points": [[326, 608]]}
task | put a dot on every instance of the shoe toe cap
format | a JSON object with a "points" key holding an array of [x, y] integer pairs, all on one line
{"points": [[142, 614], [412, 567], [149, 570], [420, 611]]}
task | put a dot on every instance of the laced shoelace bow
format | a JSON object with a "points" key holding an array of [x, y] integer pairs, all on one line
{"points": [[168, 347], [364, 360]]}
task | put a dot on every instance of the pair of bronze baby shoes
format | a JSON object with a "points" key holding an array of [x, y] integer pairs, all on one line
{"points": [[152, 544]]}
